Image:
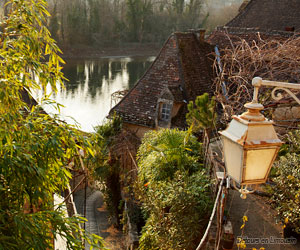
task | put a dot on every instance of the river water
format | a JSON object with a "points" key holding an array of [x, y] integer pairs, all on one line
{"points": [[87, 95]]}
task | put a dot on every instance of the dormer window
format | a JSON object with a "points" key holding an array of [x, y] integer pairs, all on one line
{"points": [[165, 111]]}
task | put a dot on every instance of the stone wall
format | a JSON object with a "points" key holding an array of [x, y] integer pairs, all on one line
{"points": [[285, 117]]}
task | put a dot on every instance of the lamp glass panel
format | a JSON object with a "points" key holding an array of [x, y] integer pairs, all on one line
{"points": [[258, 162], [233, 154]]}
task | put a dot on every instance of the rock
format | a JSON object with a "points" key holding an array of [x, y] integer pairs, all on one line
{"points": [[279, 113], [296, 112]]}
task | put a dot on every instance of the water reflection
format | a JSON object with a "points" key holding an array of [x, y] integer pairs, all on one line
{"points": [[87, 94]]}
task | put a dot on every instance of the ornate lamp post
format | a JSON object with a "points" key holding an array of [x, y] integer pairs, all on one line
{"points": [[250, 143]]}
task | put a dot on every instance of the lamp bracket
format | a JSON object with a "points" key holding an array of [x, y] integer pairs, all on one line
{"points": [[257, 82], [279, 96]]}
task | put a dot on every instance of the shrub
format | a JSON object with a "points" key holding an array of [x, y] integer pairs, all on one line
{"points": [[287, 190], [174, 190]]}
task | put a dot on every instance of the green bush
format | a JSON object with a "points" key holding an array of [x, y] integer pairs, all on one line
{"points": [[168, 151], [174, 190], [286, 193]]}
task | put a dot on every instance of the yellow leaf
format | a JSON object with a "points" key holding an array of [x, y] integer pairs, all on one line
{"points": [[47, 49], [46, 12], [90, 151], [243, 245]]}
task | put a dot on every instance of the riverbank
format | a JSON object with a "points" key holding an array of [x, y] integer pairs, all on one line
{"points": [[131, 50]]}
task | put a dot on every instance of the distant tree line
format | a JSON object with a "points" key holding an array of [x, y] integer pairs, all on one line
{"points": [[117, 22], [112, 22]]}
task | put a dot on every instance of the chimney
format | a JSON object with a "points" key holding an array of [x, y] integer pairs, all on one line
{"points": [[200, 33]]}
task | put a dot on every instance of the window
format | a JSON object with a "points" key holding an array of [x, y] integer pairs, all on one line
{"points": [[165, 111]]}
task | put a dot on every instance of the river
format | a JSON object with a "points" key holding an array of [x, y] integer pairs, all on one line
{"points": [[87, 95]]}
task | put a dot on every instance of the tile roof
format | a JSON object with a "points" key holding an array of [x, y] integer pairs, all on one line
{"points": [[177, 93], [183, 66], [28, 99], [224, 36], [269, 14]]}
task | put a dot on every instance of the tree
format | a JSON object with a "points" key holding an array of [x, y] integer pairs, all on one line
{"points": [[201, 115], [34, 148], [107, 23], [138, 14], [173, 188]]}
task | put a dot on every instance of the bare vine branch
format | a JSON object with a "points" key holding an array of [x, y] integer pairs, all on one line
{"points": [[272, 59]]}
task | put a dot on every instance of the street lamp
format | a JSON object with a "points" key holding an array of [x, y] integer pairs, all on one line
{"points": [[250, 143]]}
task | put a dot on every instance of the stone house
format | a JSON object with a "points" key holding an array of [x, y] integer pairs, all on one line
{"points": [[181, 72]]}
